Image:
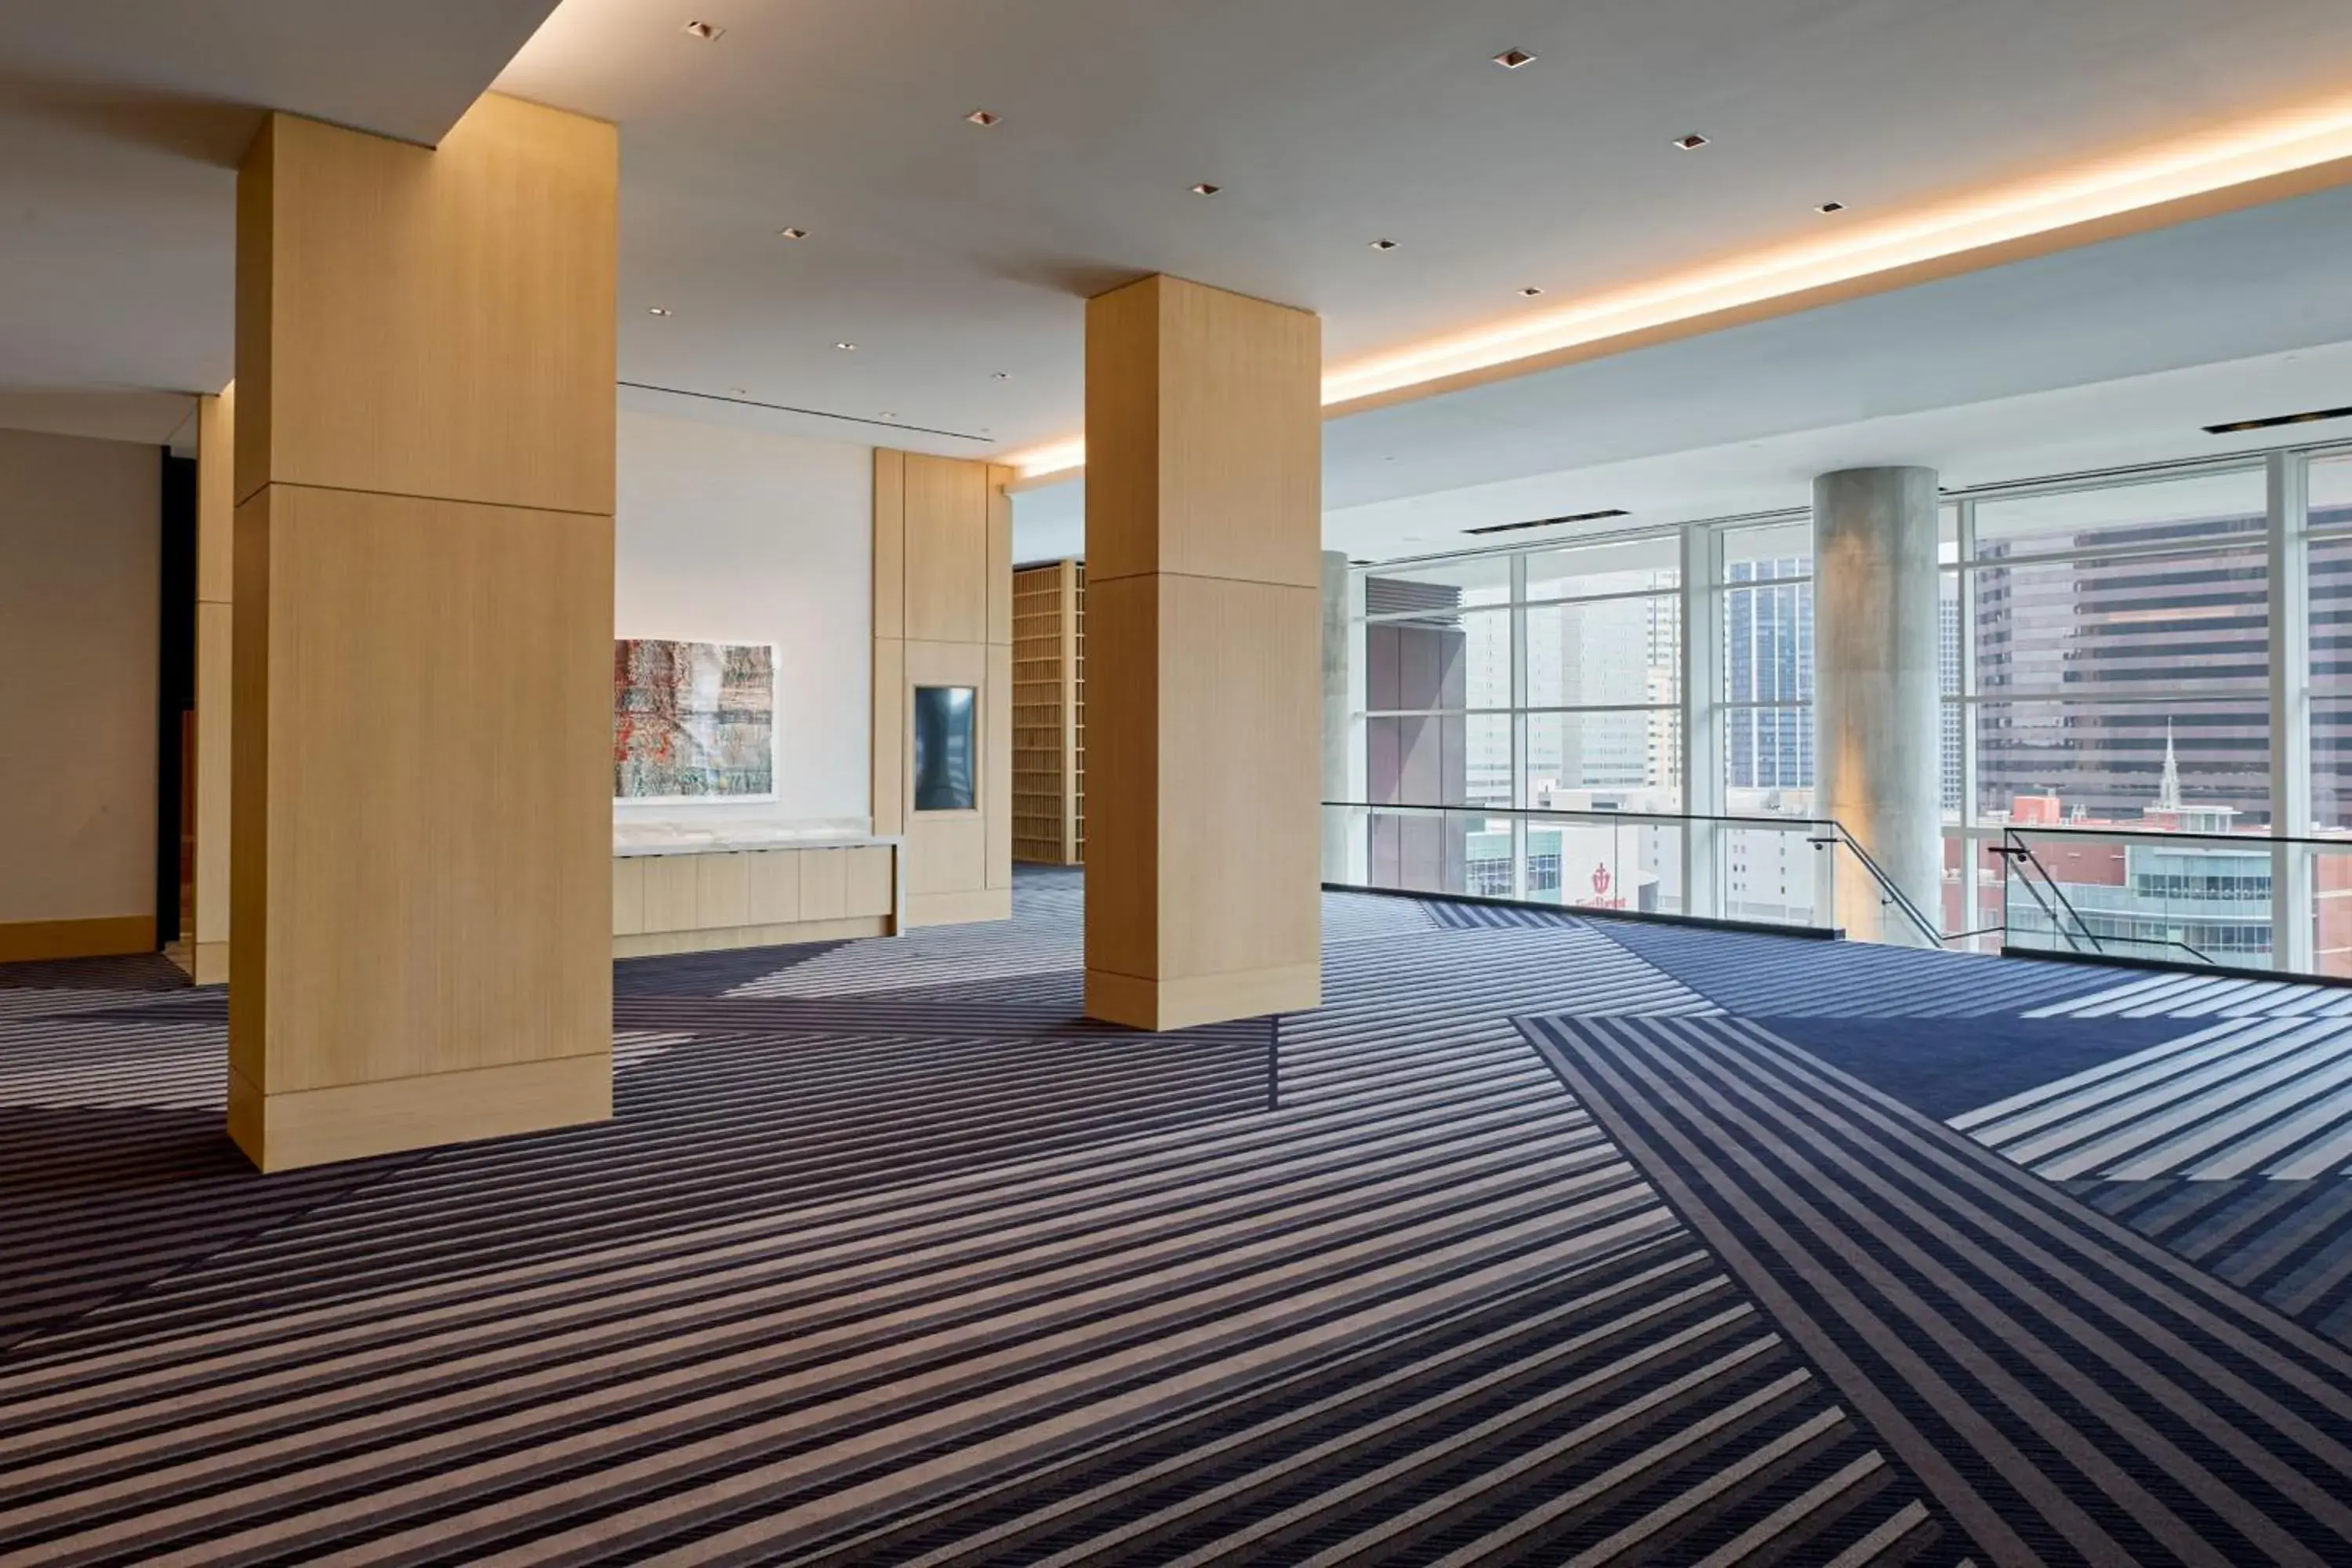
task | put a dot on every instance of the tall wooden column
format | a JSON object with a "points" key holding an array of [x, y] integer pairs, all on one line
{"points": [[215, 580], [1203, 644], [421, 837]]}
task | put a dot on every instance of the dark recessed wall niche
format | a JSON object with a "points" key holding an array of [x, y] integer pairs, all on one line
{"points": [[947, 748]]}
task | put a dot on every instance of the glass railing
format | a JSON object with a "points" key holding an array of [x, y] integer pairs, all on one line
{"points": [[2232, 902], [2222, 900], [1761, 871]]}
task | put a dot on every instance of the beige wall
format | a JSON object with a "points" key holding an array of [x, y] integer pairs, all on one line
{"points": [[731, 535], [80, 558]]}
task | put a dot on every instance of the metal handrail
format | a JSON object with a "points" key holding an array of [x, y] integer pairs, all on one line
{"points": [[2020, 854], [1889, 891], [1834, 836]]}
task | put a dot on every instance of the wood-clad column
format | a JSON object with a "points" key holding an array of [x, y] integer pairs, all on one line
{"points": [[216, 538], [943, 616], [1203, 644], [421, 837]]}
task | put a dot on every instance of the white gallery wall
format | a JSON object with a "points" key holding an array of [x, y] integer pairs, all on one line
{"points": [[80, 564], [726, 534]]}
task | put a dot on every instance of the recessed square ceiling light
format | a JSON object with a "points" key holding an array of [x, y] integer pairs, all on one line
{"points": [[1512, 60], [1205, 189], [983, 118], [1690, 143], [1828, 207], [1384, 244], [793, 233], [707, 32]]}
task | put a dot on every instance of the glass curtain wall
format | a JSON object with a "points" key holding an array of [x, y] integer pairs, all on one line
{"points": [[1549, 678], [2160, 652]]}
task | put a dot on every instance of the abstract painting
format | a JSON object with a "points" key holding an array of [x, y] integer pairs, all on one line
{"points": [[693, 721]]}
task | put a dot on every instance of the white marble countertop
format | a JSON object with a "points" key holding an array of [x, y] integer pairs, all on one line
{"points": [[634, 838]]}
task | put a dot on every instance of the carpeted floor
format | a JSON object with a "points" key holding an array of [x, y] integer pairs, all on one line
{"points": [[1542, 1241]]}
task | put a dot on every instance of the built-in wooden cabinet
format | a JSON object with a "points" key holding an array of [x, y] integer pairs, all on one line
{"points": [[711, 900]]}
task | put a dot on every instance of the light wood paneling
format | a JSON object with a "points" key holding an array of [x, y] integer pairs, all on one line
{"points": [[957, 909], [1204, 408], [889, 737], [431, 322], [1000, 554], [775, 887], [996, 763], [1210, 864], [216, 652], [787, 933], [945, 526], [215, 589], [947, 852], [947, 555], [670, 887], [871, 882], [628, 897], [733, 898], [825, 885], [1202, 999], [26, 942], [1241, 769], [422, 574], [429, 808], [1203, 651], [351, 1122], [889, 542], [722, 891], [1122, 911]]}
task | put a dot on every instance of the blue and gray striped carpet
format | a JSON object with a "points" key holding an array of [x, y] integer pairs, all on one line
{"points": [[1531, 1245]]}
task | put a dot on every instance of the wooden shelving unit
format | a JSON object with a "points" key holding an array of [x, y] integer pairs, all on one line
{"points": [[1049, 714]]}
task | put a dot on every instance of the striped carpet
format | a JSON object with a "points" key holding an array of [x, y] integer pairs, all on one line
{"points": [[890, 1257], [2170, 995], [2065, 1391], [2266, 1097], [1759, 975]]}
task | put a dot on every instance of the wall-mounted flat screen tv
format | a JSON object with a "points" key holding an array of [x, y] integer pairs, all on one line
{"points": [[947, 748]]}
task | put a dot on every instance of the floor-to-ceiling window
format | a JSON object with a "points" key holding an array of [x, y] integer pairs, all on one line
{"points": [[2121, 663], [2112, 695]]}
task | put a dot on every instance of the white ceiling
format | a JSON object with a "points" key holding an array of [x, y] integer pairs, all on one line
{"points": [[122, 123], [949, 253], [2114, 353]]}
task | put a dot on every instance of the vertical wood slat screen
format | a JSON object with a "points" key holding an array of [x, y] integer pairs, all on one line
{"points": [[1049, 714]]}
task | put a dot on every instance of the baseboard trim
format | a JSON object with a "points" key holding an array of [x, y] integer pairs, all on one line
{"points": [[351, 1122], [30, 942], [1180, 1003], [724, 939], [957, 909]]}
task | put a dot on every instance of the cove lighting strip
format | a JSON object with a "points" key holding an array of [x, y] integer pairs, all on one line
{"points": [[2248, 151]]}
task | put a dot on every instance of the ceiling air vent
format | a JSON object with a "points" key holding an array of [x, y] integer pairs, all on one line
{"points": [[2313, 417], [1550, 521]]}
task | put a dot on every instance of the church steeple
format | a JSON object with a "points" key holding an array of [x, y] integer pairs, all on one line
{"points": [[2167, 793]]}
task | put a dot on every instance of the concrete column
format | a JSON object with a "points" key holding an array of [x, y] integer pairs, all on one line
{"points": [[1876, 702], [1339, 783]]}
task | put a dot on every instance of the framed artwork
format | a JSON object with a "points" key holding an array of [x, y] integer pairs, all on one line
{"points": [[693, 721]]}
